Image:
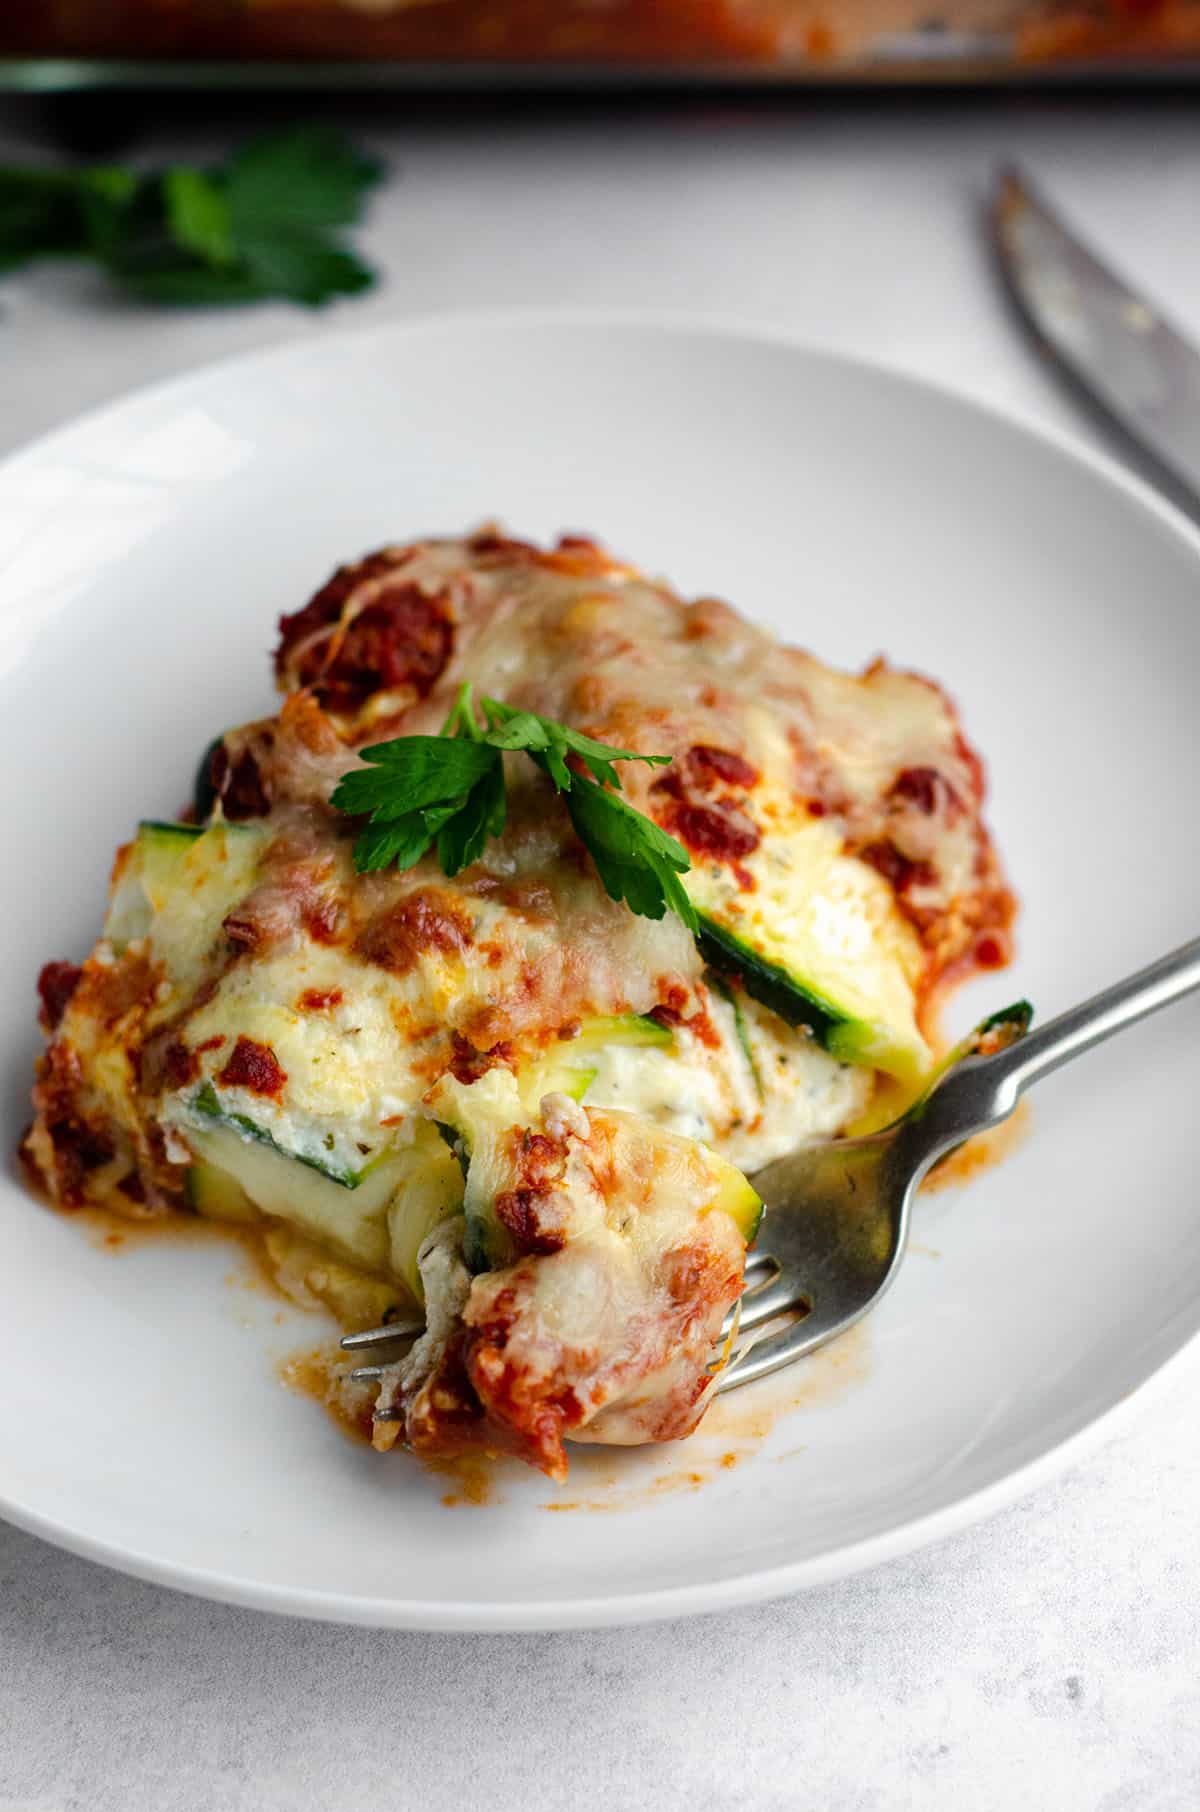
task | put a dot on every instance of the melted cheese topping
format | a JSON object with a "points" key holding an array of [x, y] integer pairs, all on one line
{"points": [[269, 1034]]}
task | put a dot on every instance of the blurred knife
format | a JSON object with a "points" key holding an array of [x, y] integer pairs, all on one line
{"points": [[1112, 344]]}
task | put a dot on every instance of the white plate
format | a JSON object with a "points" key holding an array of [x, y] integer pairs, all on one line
{"points": [[144, 556]]}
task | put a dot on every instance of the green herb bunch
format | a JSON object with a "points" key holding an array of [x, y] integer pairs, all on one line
{"points": [[264, 223], [448, 790]]}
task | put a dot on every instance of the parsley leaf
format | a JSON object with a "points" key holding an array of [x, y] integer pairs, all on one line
{"points": [[303, 267], [191, 288], [260, 225], [198, 214], [305, 178], [412, 772], [637, 861], [482, 814], [421, 788], [555, 741], [461, 719], [450, 788], [402, 840]]}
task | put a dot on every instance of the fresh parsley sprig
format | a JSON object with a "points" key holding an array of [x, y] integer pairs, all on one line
{"points": [[448, 790], [263, 223]]}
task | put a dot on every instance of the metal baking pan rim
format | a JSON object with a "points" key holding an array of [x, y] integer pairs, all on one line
{"points": [[970, 64]]}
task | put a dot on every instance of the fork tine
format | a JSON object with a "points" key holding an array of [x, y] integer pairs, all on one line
{"points": [[761, 1269], [367, 1374], [394, 1330], [763, 1301], [759, 1265], [754, 1363], [776, 1298], [771, 1354]]}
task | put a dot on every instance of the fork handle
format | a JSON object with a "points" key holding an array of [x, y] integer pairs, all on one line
{"points": [[1046, 1047], [981, 1091]]}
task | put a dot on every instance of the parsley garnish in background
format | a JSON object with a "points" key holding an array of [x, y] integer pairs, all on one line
{"points": [[264, 223], [449, 790]]}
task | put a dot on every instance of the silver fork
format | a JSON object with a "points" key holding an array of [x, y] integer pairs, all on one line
{"points": [[838, 1213]]}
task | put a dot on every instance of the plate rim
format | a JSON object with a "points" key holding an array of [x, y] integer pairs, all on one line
{"points": [[756, 1584], [713, 325], [501, 1616]]}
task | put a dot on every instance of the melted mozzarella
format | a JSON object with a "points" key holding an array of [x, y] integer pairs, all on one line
{"points": [[369, 996]]}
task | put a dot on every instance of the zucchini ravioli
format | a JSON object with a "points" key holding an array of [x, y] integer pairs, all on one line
{"points": [[505, 1105]]}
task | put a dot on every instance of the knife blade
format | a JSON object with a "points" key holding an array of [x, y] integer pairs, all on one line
{"points": [[1107, 339]]}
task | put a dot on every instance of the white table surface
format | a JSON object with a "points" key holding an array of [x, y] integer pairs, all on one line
{"points": [[1047, 1659]]}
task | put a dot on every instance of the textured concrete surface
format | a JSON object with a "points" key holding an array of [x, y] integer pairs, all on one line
{"points": [[1047, 1659]]}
